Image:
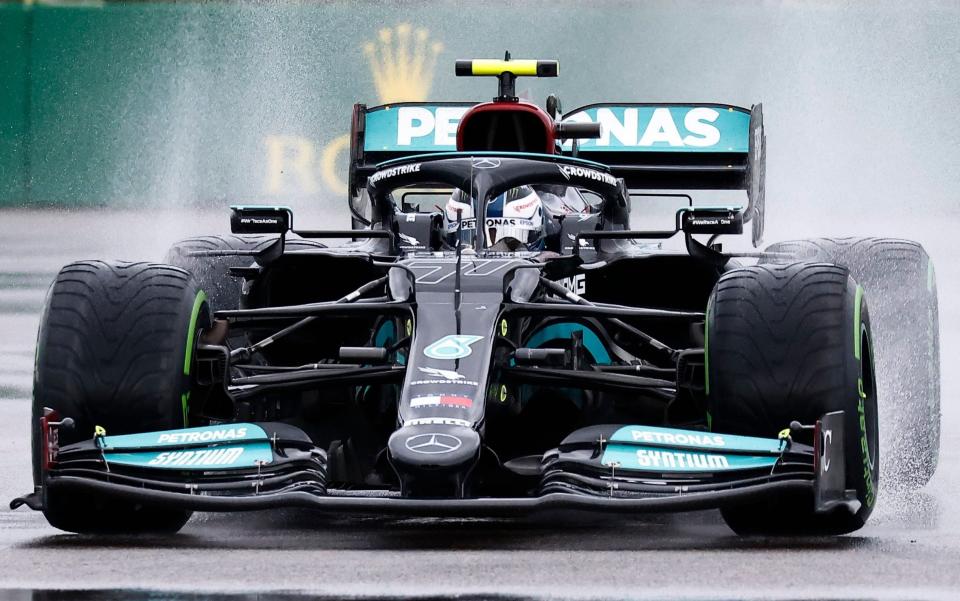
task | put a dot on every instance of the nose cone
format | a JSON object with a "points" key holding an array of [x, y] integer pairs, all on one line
{"points": [[433, 460]]}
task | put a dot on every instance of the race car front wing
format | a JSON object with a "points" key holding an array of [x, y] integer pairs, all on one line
{"points": [[611, 469]]}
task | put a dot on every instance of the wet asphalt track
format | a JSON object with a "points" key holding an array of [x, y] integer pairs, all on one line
{"points": [[909, 550]]}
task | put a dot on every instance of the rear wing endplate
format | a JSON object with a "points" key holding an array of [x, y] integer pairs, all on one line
{"points": [[393, 131]]}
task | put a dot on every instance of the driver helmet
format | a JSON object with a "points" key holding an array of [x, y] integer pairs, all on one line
{"points": [[514, 220]]}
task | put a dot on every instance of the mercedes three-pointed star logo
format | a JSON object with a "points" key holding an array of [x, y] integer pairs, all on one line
{"points": [[483, 163], [433, 443]]}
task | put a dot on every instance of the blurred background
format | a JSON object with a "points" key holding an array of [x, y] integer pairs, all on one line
{"points": [[202, 104]]}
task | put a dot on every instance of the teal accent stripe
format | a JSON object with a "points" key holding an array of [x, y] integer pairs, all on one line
{"points": [[223, 457], [560, 331], [661, 460], [386, 334], [673, 438], [188, 436]]}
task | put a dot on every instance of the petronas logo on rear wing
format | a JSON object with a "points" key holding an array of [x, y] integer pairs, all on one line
{"points": [[665, 128]]}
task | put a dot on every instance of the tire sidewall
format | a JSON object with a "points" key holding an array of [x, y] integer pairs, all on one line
{"points": [[197, 313], [36, 410], [861, 423]]}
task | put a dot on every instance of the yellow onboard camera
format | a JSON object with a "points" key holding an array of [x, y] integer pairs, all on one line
{"points": [[507, 71]]}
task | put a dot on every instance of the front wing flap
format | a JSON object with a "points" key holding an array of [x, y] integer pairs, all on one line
{"points": [[645, 461], [228, 461], [614, 469]]}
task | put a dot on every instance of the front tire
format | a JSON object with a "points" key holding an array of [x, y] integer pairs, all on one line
{"points": [[788, 343], [115, 349]]}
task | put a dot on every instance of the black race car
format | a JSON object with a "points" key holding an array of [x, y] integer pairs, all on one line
{"points": [[495, 337]]}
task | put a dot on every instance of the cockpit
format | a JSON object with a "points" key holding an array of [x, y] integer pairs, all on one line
{"points": [[473, 203]]}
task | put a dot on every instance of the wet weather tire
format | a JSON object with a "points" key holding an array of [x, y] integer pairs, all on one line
{"points": [[792, 342], [898, 276], [213, 273], [115, 349]]}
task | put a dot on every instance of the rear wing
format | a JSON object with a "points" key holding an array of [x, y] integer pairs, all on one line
{"points": [[680, 147], [650, 146]]}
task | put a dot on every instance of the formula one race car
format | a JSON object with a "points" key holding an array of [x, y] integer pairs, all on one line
{"points": [[495, 338]]}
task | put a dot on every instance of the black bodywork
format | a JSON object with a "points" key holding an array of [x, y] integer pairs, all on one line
{"points": [[424, 379]]}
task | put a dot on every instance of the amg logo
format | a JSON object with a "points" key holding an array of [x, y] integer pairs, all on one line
{"points": [[705, 440], [206, 436], [576, 284], [684, 461], [394, 171], [201, 457]]}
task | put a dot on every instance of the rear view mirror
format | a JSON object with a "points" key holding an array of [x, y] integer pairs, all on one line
{"points": [[260, 220], [711, 220]]}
